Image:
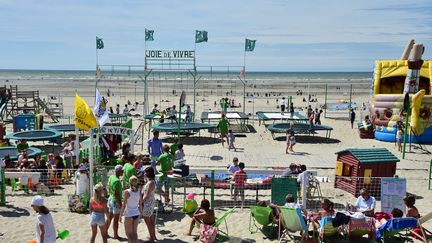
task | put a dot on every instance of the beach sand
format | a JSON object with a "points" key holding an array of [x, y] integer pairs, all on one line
{"points": [[258, 150]]}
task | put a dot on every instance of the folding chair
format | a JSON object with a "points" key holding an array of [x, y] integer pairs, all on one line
{"points": [[420, 223], [222, 219], [394, 227], [260, 215], [291, 219]]}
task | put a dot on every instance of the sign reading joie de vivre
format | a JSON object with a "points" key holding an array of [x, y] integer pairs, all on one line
{"points": [[170, 54], [113, 130]]}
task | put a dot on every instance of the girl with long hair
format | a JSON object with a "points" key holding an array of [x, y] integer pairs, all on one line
{"points": [[149, 202], [98, 209], [132, 209]]}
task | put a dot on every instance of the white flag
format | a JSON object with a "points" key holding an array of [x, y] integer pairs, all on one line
{"points": [[99, 109]]}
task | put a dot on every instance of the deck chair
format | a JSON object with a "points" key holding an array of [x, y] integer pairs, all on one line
{"points": [[420, 223], [395, 227], [360, 227], [222, 219], [327, 229], [260, 215], [292, 221]]}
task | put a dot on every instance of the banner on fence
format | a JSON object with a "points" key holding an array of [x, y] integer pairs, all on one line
{"points": [[393, 191]]}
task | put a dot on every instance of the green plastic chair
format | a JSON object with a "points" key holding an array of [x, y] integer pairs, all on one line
{"points": [[327, 230], [260, 215], [13, 184], [291, 220]]}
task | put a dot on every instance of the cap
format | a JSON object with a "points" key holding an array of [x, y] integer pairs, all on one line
{"points": [[83, 167], [140, 172], [190, 196], [118, 168], [37, 201]]}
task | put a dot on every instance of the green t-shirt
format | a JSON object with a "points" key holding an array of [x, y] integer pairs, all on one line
{"points": [[128, 172], [21, 146], [223, 125], [173, 148], [166, 162], [113, 185]]}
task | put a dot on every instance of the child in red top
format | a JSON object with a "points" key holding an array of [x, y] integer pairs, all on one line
{"points": [[239, 178]]}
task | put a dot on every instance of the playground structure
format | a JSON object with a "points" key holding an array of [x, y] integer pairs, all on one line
{"points": [[335, 105], [165, 77], [278, 116], [358, 168], [299, 128], [386, 108], [15, 102]]}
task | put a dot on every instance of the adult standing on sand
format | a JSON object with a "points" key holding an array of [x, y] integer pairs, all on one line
{"points": [[223, 128], [115, 200], [282, 104], [154, 147], [352, 117]]}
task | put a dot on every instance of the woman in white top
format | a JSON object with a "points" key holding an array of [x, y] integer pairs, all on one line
{"points": [[148, 203], [45, 230], [132, 209]]}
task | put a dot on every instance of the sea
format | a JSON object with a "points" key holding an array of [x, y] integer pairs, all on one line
{"points": [[130, 77]]}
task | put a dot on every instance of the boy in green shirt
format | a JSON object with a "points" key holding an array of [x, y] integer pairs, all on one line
{"points": [[223, 128], [166, 164], [174, 147]]}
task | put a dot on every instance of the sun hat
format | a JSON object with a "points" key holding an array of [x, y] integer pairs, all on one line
{"points": [[118, 168], [37, 201]]}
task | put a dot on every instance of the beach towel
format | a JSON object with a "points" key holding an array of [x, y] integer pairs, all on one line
{"points": [[208, 233]]}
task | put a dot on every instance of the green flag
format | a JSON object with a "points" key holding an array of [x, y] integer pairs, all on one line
{"points": [[201, 36], [99, 43], [250, 45], [149, 35]]}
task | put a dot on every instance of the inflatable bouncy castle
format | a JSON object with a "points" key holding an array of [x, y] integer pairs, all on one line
{"points": [[387, 102]]}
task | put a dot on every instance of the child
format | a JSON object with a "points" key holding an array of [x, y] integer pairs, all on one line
{"points": [[203, 215], [396, 213], [288, 135], [231, 170], [45, 230], [174, 147], [399, 138], [411, 210], [68, 157], [292, 141], [239, 178], [98, 209], [188, 114], [231, 139], [179, 154]]}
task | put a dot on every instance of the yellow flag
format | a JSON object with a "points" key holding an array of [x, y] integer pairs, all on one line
{"points": [[84, 118]]}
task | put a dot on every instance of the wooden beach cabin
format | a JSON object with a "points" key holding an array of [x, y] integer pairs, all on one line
{"points": [[358, 168]]}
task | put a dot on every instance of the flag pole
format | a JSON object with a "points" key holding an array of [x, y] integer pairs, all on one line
{"points": [[145, 75], [97, 65]]}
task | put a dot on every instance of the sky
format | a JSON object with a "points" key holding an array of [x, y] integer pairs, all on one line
{"points": [[292, 36]]}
